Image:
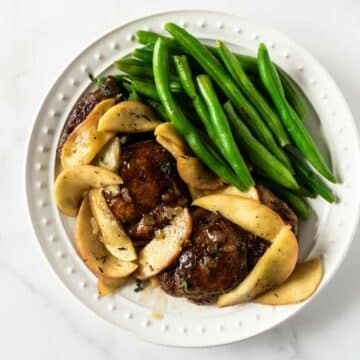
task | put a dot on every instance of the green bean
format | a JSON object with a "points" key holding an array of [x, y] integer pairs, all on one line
{"points": [[148, 88], [238, 74], [192, 136], [149, 37], [303, 190], [185, 76], [212, 66], [295, 127], [308, 177], [138, 69], [296, 203], [227, 145], [292, 93], [158, 107], [257, 153], [133, 95], [143, 54], [186, 80], [249, 64], [134, 67]]}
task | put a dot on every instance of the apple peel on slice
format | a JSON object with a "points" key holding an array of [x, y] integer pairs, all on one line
{"points": [[164, 249], [86, 141], [300, 285], [72, 183], [113, 236], [93, 252], [129, 116], [278, 261]]}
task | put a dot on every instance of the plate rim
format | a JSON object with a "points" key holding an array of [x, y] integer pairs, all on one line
{"points": [[51, 89]]}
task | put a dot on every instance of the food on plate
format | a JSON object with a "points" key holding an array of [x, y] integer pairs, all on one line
{"points": [[249, 214], [190, 171], [109, 156], [277, 262], [72, 183], [106, 286], [166, 245], [268, 198], [113, 236], [108, 89], [93, 252], [298, 287], [251, 193], [151, 189], [85, 141], [169, 138], [129, 116], [273, 268], [196, 175], [294, 125], [216, 259]]}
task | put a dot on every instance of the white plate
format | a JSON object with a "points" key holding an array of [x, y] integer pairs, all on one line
{"points": [[328, 233]]}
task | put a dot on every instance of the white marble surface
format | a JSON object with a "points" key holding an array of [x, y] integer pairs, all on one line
{"points": [[38, 317]]}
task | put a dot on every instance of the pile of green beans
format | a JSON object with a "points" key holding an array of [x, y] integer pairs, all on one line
{"points": [[235, 69], [219, 75], [258, 153], [181, 123], [186, 80], [295, 127], [249, 64], [232, 110]]}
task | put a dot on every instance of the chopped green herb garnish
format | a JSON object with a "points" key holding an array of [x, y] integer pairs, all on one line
{"points": [[100, 80], [165, 168], [139, 286]]}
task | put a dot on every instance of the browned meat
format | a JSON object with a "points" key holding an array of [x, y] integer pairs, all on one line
{"points": [[269, 199], [151, 189], [78, 114], [216, 260]]}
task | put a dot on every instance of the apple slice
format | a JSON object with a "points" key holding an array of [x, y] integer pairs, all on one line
{"points": [[278, 261], [93, 252], [114, 236], [301, 284], [164, 248], [106, 286], [272, 269], [130, 116], [72, 183], [251, 193], [167, 136], [86, 141], [109, 156], [249, 214], [195, 174]]}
